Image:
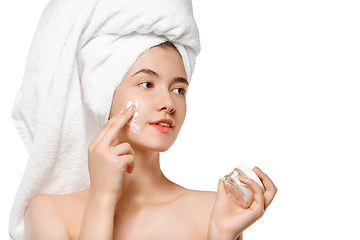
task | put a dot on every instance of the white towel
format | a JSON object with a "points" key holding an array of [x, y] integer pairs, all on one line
{"points": [[80, 52]]}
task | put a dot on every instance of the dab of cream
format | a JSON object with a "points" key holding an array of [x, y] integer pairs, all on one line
{"points": [[132, 123]]}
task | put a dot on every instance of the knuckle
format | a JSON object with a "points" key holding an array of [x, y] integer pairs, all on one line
{"points": [[107, 156], [127, 148], [91, 148], [128, 159], [114, 161], [98, 151], [127, 145]]}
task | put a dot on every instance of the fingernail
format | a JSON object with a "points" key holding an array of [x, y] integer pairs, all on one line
{"points": [[132, 107], [258, 168], [122, 110]]}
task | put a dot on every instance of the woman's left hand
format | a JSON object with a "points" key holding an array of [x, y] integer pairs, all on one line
{"points": [[228, 220]]}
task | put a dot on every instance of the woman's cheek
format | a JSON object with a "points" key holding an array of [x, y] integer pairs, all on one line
{"points": [[143, 111], [181, 111]]}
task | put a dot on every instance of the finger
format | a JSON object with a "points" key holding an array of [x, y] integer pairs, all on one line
{"points": [[103, 130], [220, 187], [258, 204], [123, 149], [114, 128], [267, 182], [221, 191], [223, 200], [270, 188], [129, 162]]}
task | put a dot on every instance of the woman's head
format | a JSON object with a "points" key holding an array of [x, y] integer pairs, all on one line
{"points": [[158, 82]]}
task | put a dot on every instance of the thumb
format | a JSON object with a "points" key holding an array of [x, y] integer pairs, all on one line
{"points": [[221, 191]]}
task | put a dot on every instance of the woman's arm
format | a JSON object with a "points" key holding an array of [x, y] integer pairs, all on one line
{"points": [[107, 166], [98, 221]]}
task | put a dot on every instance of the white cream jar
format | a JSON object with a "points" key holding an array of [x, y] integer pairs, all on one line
{"points": [[238, 191]]}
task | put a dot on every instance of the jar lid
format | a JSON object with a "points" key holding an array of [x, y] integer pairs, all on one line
{"points": [[249, 173]]}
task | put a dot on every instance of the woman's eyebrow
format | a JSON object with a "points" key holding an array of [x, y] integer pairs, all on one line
{"points": [[153, 73], [181, 80], [147, 71]]}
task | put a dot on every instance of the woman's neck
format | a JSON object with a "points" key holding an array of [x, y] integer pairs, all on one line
{"points": [[147, 183]]}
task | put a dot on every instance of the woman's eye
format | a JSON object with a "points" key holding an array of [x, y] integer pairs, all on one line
{"points": [[180, 91], [146, 85]]}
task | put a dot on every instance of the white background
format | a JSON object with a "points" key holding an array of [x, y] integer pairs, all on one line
{"points": [[277, 85]]}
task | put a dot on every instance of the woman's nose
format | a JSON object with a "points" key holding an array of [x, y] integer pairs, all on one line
{"points": [[166, 102]]}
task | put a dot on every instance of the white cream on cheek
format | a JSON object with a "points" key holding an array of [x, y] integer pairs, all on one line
{"points": [[132, 123]]}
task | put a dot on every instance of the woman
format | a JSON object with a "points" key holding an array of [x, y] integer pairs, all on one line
{"points": [[129, 197]]}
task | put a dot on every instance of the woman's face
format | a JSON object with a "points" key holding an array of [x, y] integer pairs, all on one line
{"points": [[157, 81]]}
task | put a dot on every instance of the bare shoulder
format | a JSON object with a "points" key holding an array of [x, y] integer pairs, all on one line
{"points": [[204, 198], [49, 215], [205, 195], [199, 205], [202, 204], [43, 219]]}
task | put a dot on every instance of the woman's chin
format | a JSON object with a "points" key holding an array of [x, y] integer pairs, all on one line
{"points": [[151, 146]]}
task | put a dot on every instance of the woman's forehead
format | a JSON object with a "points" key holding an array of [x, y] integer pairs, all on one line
{"points": [[159, 62]]}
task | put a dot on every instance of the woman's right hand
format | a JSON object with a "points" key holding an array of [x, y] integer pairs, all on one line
{"points": [[108, 163]]}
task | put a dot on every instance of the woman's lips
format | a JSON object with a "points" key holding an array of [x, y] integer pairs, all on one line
{"points": [[163, 125]]}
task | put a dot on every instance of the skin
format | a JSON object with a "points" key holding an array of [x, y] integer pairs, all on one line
{"points": [[129, 196]]}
